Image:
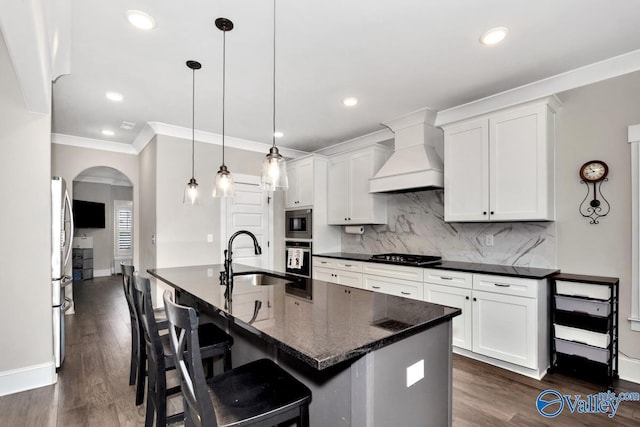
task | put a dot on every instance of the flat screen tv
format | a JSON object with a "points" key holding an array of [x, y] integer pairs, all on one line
{"points": [[88, 214]]}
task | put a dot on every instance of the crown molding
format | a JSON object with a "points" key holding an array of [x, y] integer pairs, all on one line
{"points": [[358, 142], [592, 73], [95, 144], [216, 139]]}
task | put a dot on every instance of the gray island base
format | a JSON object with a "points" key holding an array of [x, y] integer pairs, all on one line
{"points": [[369, 359]]}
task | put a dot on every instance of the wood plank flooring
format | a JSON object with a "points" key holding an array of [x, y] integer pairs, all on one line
{"points": [[93, 390]]}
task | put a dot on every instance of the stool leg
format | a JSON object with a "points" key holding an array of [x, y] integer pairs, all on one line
{"points": [[134, 354], [151, 399], [160, 396], [304, 416], [142, 373], [227, 359]]}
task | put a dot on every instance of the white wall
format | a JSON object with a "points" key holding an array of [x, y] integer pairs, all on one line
{"points": [[592, 124], [26, 358]]}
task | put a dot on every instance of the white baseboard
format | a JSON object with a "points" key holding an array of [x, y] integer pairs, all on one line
{"points": [[102, 273], [27, 378], [629, 369]]}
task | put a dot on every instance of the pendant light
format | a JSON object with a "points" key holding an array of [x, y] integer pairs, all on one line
{"points": [[274, 166], [191, 196], [223, 186]]}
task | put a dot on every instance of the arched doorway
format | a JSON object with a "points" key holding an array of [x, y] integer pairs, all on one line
{"points": [[103, 213]]}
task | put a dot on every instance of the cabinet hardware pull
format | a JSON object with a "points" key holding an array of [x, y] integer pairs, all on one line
{"points": [[375, 287], [491, 212], [446, 278], [466, 297], [474, 298], [323, 262], [484, 212], [348, 265], [502, 285], [405, 293]]}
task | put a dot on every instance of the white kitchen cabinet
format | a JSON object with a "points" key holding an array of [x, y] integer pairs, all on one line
{"points": [[300, 173], [349, 199], [399, 280], [342, 272], [452, 288], [500, 166]]}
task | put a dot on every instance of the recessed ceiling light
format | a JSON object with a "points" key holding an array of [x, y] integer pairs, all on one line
{"points": [[141, 20], [278, 134], [114, 96], [107, 132], [494, 35], [350, 101]]}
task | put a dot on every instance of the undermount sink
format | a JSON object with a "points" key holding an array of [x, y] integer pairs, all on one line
{"points": [[261, 279]]}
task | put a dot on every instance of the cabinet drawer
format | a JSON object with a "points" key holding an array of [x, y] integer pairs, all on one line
{"points": [[87, 263], [338, 264], [448, 278], [594, 308], [576, 349], [397, 287], [346, 278], [580, 289], [582, 321], [581, 336], [394, 271], [506, 285]]}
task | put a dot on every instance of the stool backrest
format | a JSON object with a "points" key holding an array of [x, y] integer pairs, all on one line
{"points": [[144, 308], [183, 332], [127, 278]]}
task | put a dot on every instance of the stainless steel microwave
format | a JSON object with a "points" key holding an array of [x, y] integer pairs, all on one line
{"points": [[298, 224]]}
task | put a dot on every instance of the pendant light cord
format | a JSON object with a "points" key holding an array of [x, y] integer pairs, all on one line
{"points": [[273, 136], [193, 122], [224, 56]]}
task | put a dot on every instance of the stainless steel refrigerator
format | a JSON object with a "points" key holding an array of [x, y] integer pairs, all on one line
{"points": [[61, 238]]}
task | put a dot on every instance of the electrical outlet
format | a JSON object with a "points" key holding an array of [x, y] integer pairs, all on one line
{"points": [[209, 238], [488, 240]]}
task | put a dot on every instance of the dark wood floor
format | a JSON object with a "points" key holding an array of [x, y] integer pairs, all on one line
{"points": [[93, 390]]}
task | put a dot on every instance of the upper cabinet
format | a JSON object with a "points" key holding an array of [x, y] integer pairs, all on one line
{"points": [[300, 192], [500, 167], [349, 200]]}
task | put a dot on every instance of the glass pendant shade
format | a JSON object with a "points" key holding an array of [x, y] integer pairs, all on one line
{"points": [[223, 185], [274, 172], [191, 196]]}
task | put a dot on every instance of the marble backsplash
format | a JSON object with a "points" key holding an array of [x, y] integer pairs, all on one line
{"points": [[416, 225]]}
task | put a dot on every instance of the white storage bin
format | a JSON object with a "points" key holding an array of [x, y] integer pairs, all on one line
{"points": [[579, 289], [594, 308], [581, 336], [576, 349]]}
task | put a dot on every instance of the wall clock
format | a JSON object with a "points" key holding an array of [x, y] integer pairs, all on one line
{"points": [[593, 173]]}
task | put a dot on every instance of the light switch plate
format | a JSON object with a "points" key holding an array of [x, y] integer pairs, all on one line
{"points": [[209, 238], [488, 240], [415, 373]]}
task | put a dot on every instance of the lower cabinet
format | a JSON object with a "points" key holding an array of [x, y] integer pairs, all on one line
{"points": [[505, 327], [458, 298], [397, 287], [342, 272], [504, 319]]}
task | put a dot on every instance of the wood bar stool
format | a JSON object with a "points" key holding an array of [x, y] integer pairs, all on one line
{"points": [[137, 370], [214, 342], [259, 393]]}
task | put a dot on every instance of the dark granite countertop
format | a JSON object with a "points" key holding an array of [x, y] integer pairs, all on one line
{"points": [[472, 267], [324, 326]]}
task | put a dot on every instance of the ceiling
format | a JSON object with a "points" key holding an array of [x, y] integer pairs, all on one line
{"points": [[394, 56]]}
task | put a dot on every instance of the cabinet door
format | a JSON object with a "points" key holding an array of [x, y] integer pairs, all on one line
{"points": [[518, 159], [305, 182], [338, 191], [360, 203], [505, 327], [325, 274], [466, 172], [292, 196], [454, 297]]}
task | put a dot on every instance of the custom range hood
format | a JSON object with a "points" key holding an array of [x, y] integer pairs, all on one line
{"points": [[415, 164]]}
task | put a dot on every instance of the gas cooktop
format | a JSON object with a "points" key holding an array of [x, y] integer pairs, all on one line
{"points": [[406, 259]]}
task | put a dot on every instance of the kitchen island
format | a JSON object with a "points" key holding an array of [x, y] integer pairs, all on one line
{"points": [[370, 359]]}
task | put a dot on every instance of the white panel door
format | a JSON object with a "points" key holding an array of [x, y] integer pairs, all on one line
{"points": [[458, 298], [466, 172], [505, 327], [249, 210]]}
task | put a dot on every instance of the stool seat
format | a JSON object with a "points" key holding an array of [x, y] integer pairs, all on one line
{"points": [[252, 390]]}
